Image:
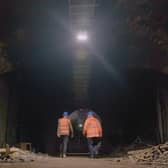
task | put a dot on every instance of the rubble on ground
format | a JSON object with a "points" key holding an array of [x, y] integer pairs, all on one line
{"points": [[155, 154], [14, 154]]}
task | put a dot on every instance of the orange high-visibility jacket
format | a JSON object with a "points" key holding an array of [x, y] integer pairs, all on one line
{"points": [[63, 126], [92, 127]]}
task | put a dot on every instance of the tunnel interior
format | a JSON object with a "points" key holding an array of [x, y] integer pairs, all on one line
{"points": [[124, 78], [127, 108], [126, 104]]}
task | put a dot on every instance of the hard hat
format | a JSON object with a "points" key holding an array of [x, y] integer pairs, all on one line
{"points": [[65, 113], [90, 113]]}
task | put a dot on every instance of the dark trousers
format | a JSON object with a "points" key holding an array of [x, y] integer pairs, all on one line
{"points": [[64, 139], [94, 145]]}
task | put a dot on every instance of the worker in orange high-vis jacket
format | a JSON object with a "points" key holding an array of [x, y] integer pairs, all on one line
{"points": [[93, 131], [64, 131]]}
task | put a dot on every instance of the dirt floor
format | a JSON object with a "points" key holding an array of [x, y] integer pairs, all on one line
{"points": [[80, 162]]}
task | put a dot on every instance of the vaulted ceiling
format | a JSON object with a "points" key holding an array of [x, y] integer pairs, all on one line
{"points": [[134, 24]]}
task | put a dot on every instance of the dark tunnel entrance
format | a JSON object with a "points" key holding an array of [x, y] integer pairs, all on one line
{"points": [[127, 108]]}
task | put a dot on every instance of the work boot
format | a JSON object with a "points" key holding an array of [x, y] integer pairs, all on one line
{"points": [[96, 154], [64, 155], [92, 156]]}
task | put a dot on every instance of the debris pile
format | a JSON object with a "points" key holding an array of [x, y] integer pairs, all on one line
{"points": [[18, 155], [158, 154]]}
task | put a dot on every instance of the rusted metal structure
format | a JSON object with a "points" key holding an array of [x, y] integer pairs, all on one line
{"points": [[162, 111], [82, 17], [5, 64], [5, 67]]}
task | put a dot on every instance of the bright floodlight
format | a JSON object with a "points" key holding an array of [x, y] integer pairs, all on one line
{"points": [[82, 36]]}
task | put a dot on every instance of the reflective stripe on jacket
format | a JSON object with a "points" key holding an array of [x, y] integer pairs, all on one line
{"points": [[92, 127], [64, 126]]}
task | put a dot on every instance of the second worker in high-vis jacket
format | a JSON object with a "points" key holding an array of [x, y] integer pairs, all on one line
{"points": [[93, 131]]}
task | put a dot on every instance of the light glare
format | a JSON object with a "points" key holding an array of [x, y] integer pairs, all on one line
{"points": [[82, 36]]}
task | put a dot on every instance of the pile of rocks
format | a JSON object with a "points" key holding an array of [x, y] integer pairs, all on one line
{"points": [[17, 155], [157, 154]]}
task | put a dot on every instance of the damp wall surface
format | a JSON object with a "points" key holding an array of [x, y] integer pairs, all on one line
{"points": [[8, 112], [3, 110]]}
